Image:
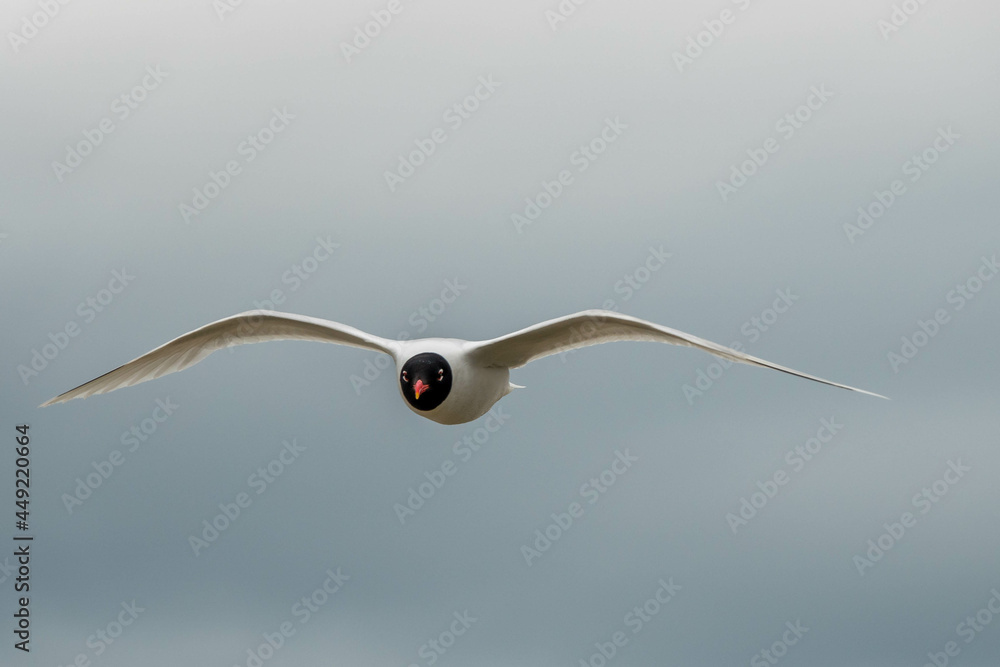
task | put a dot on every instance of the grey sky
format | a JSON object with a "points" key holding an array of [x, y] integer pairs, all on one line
{"points": [[288, 143]]}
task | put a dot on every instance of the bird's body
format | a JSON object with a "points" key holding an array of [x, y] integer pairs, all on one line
{"points": [[446, 380], [475, 387]]}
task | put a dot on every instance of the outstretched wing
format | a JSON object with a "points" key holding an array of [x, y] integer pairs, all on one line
{"points": [[592, 327], [254, 326]]}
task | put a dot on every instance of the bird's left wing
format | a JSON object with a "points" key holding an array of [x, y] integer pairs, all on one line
{"points": [[254, 326], [591, 327]]}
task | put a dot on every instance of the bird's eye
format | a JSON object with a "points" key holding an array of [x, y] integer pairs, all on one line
{"points": [[404, 377], [440, 374]]}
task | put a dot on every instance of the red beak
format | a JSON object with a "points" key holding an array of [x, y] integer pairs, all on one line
{"points": [[419, 387]]}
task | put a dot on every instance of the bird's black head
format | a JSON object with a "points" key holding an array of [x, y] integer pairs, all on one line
{"points": [[425, 380]]}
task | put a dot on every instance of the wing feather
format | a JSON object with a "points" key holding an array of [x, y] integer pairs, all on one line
{"points": [[592, 327], [254, 326]]}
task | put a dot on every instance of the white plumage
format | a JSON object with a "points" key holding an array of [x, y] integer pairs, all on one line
{"points": [[473, 376]]}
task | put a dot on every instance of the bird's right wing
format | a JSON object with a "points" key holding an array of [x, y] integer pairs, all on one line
{"points": [[254, 326], [591, 327]]}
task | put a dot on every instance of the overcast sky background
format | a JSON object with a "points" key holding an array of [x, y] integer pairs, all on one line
{"points": [[655, 186]]}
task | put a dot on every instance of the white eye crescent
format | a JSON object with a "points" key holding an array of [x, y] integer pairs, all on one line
{"points": [[404, 377], [440, 374]]}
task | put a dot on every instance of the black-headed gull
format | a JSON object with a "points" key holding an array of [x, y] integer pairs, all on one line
{"points": [[446, 380]]}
